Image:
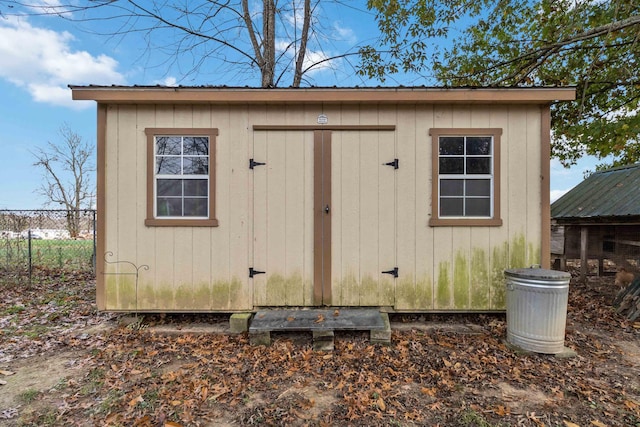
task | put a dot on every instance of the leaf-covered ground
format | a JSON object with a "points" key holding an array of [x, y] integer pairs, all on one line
{"points": [[76, 367]]}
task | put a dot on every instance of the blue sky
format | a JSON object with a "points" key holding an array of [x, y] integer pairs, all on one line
{"points": [[41, 55]]}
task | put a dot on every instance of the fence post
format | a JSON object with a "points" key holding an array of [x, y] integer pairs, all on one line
{"points": [[29, 251], [94, 241]]}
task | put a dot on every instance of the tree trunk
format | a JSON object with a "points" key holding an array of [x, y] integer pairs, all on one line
{"points": [[267, 68], [302, 51]]}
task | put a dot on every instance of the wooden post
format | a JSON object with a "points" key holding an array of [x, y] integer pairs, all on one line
{"points": [[584, 243]]}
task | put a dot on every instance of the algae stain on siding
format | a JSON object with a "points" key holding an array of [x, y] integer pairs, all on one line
{"points": [[111, 292], [518, 252], [369, 291], [348, 288], [276, 289], [387, 292], [461, 282], [284, 290], [533, 255], [480, 288], [225, 293], [443, 291], [499, 262], [202, 295], [146, 296], [183, 297], [120, 292], [164, 295], [414, 294], [294, 289], [424, 292]]}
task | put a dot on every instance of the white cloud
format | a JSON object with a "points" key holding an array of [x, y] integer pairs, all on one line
{"points": [[311, 57], [43, 62], [167, 81], [343, 34], [319, 58], [46, 6]]}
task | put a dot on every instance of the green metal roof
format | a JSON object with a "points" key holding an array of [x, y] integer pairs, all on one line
{"points": [[611, 193]]}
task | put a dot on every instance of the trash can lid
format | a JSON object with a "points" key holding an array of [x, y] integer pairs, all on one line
{"points": [[538, 274]]}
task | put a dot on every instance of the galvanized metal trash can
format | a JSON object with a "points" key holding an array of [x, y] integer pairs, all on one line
{"points": [[537, 308]]}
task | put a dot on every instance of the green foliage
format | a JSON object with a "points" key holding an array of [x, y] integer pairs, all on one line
{"points": [[29, 395], [594, 45]]}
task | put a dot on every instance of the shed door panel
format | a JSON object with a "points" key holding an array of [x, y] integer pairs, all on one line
{"points": [[364, 218], [283, 218]]}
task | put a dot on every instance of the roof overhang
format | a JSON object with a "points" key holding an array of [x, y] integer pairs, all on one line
{"points": [[380, 95], [599, 220]]}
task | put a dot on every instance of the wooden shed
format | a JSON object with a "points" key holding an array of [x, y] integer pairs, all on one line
{"points": [[233, 199], [599, 220]]}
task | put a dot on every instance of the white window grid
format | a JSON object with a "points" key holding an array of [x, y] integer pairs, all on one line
{"points": [[182, 177], [464, 177]]}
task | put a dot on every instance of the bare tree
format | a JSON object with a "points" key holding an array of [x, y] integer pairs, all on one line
{"points": [[270, 37], [67, 170]]}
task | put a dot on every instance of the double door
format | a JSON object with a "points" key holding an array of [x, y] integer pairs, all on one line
{"points": [[324, 217]]}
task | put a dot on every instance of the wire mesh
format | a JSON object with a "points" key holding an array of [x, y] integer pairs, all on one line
{"points": [[46, 239]]}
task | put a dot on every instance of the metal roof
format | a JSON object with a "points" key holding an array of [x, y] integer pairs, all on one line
{"points": [[390, 95], [606, 194]]}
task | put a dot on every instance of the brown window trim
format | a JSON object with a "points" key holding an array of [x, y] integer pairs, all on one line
{"points": [[496, 220], [151, 220]]}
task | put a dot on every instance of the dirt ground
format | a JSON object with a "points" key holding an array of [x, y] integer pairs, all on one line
{"points": [[62, 363]]}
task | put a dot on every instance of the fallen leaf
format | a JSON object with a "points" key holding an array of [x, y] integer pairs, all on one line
{"points": [[176, 402], [431, 391], [503, 411], [7, 373], [290, 319], [569, 424], [134, 402], [336, 313], [171, 424], [598, 423], [381, 404], [2, 382], [320, 318]]}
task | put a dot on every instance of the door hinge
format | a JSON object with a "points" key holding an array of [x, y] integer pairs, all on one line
{"points": [[393, 272], [253, 163], [253, 272], [395, 163]]}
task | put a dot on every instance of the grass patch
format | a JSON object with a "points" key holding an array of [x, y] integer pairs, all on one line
{"points": [[47, 253], [14, 309], [29, 395]]}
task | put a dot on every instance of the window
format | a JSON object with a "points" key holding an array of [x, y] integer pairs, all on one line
{"points": [[180, 177], [466, 177]]}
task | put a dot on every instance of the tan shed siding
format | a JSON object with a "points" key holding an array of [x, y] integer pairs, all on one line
{"points": [[190, 269], [111, 212], [282, 208], [407, 292], [425, 269], [203, 263], [145, 236], [463, 265], [534, 187], [236, 183], [206, 268]]}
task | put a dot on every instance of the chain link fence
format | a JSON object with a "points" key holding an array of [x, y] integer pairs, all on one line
{"points": [[46, 239]]}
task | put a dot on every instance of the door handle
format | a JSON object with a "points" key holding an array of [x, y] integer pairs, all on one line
{"points": [[326, 209]]}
